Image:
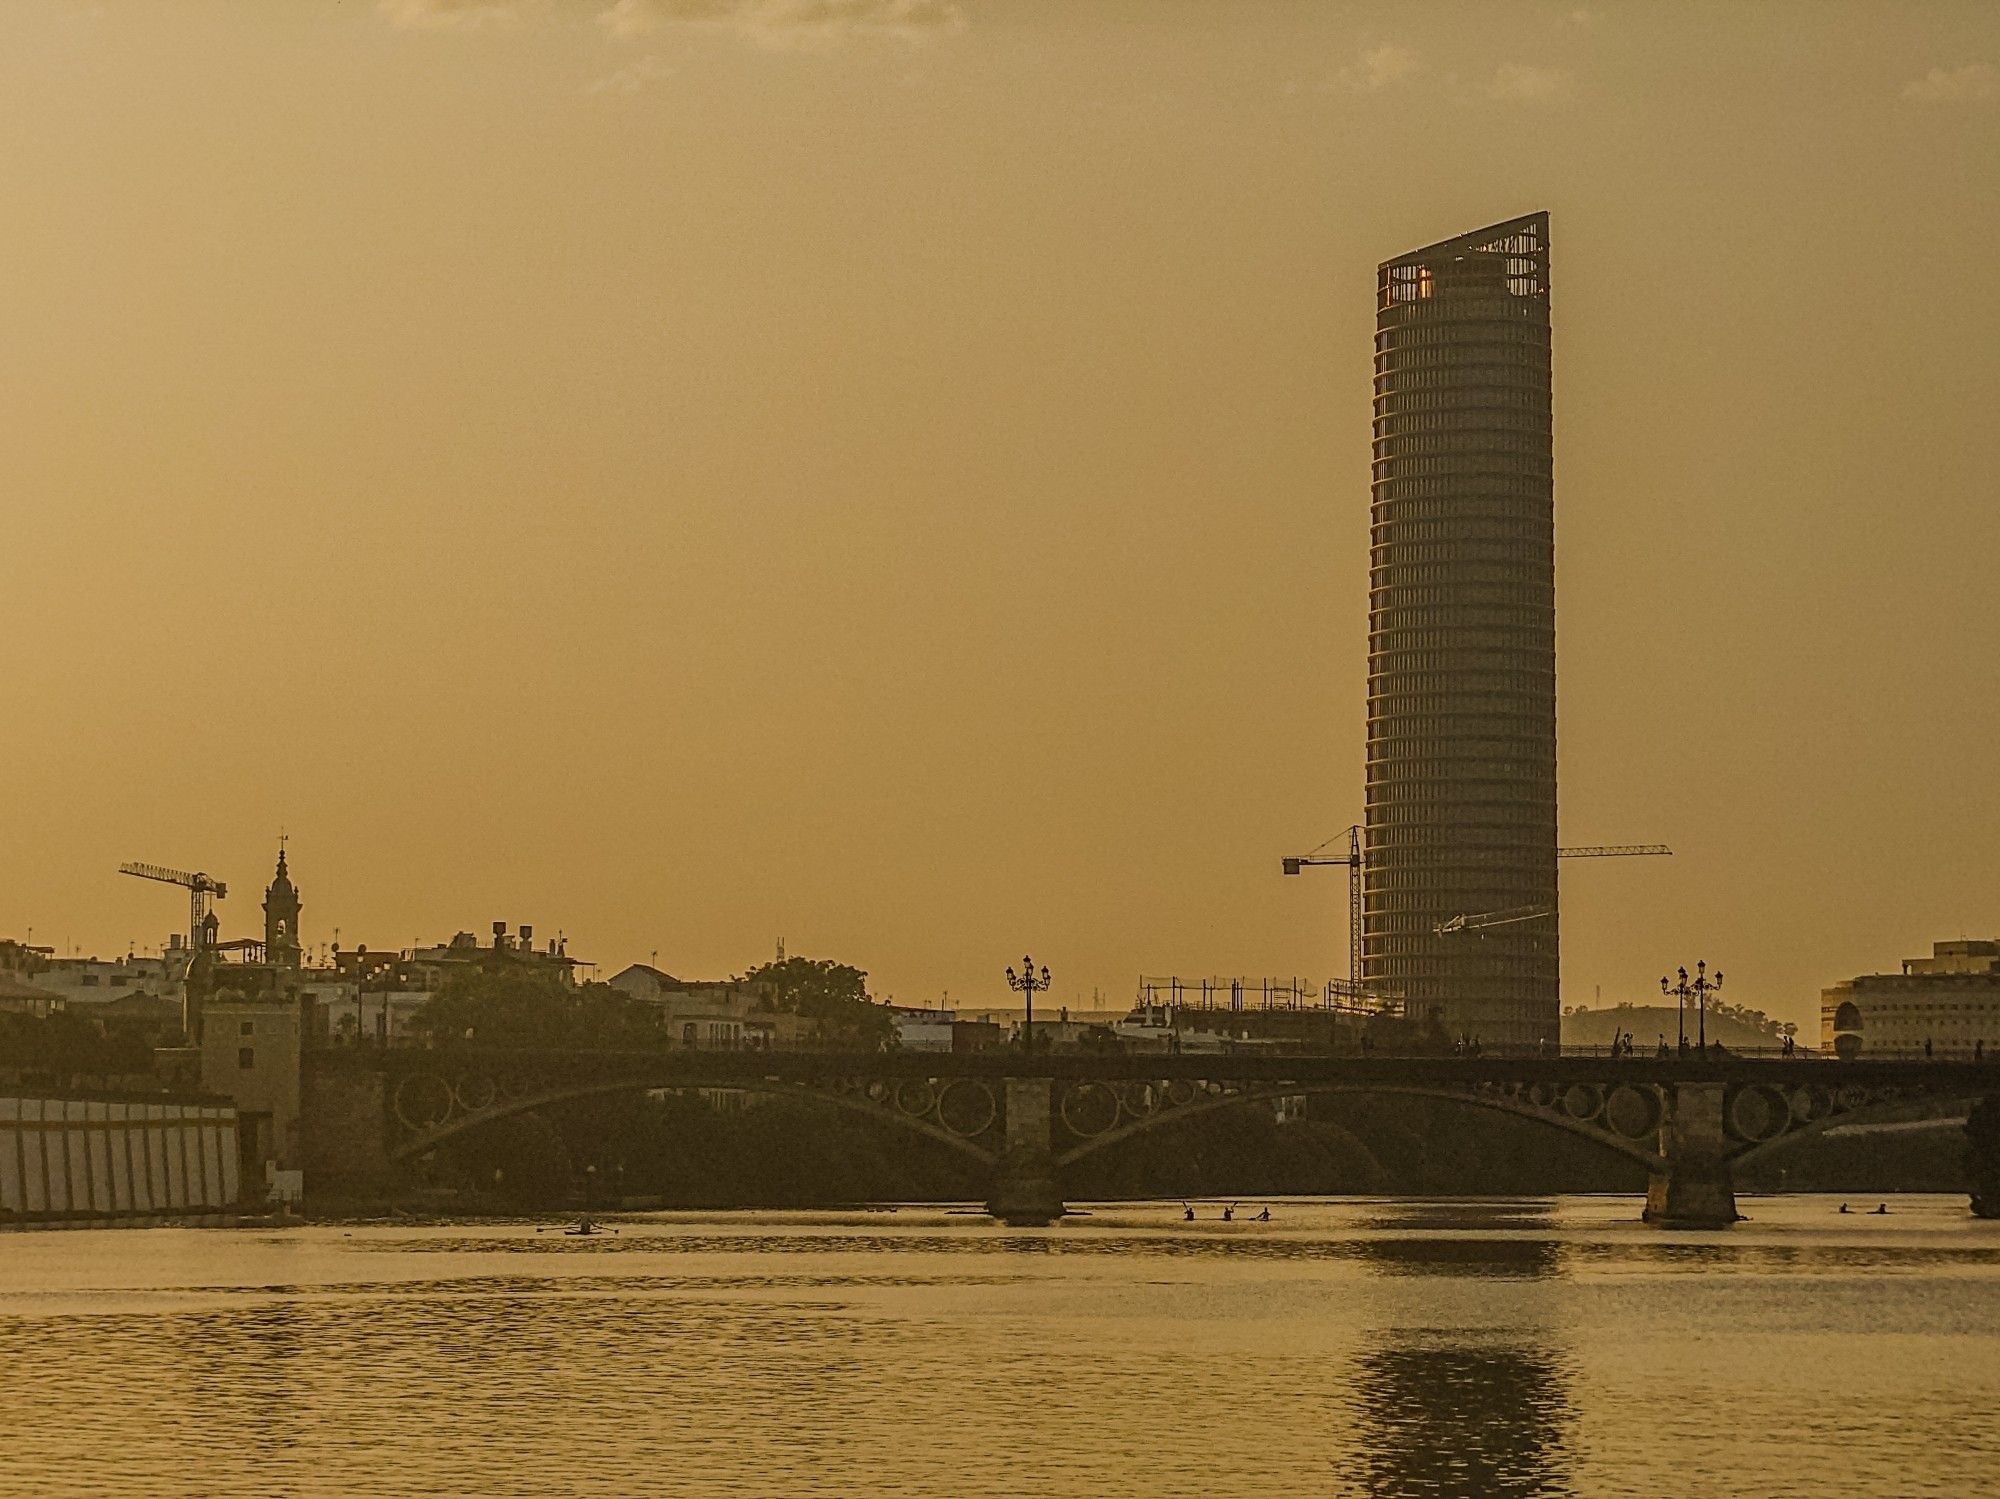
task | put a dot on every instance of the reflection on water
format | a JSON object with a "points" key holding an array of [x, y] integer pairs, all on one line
{"points": [[1502, 1259], [1463, 1413], [1455, 1418], [1354, 1348]]}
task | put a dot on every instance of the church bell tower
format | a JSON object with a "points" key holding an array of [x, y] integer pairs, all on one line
{"points": [[281, 919]]}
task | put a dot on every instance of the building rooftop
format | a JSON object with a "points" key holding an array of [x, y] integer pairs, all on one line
{"points": [[1519, 246]]}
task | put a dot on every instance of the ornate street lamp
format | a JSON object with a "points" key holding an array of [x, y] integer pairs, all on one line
{"points": [[1679, 992], [1698, 989], [1026, 982], [1703, 987]]}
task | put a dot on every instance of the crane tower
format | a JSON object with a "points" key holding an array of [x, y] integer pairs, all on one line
{"points": [[200, 889]]}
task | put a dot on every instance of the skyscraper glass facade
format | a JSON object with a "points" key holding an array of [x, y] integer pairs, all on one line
{"points": [[1461, 793]]}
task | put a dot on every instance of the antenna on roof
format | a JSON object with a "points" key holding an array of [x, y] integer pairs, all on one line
{"points": [[781, 949]]}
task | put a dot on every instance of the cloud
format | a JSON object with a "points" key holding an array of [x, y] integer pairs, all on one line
{"points": [[788, 23], [640, 73], [1378, 68], [453, 15], [1975, 83], [1524, 80]]}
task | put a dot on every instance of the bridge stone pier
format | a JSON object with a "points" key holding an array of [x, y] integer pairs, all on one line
{"points": [[1022, 1120], [1691, 1184], [1025, 1194], [1982, 1155]]}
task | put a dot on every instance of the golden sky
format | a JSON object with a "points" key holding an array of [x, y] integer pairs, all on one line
{"points": [[892, 474]]}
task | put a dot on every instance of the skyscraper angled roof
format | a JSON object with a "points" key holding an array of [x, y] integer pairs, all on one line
{"points": [[1523, 241]]}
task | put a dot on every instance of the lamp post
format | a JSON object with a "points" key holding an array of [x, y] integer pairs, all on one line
{"points": [[1026, 982], [1703, 987], [1680, 993], [1698, 989]]}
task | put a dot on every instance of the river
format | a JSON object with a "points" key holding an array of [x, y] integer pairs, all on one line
{"points": [[1347, 1347]]}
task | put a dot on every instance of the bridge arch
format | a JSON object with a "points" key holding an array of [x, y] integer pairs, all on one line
{"points": [[856, 1100], [1873, 1111], [1209, 1103]]}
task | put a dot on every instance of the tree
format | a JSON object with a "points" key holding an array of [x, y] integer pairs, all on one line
{"points": [[517, 1008], [63, 1042], [833, 997]]}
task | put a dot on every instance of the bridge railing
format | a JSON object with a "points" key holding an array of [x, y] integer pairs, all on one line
{"points": [[1191, 1045]]}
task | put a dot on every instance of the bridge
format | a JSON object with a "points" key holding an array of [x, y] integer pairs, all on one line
{"points": [[1025, 1117]]}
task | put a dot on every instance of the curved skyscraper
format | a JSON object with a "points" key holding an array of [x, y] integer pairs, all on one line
{"points": [[1461, 797]]}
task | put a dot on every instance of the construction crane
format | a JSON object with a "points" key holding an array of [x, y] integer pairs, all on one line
{"points": [[1353, 860], [199, 888], [1485, 919]]}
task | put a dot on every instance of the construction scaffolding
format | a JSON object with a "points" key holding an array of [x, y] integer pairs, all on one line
{"points": [[1334, 996]]}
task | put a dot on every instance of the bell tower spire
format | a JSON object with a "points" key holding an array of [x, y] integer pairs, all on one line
{"points": [[281, 917]]}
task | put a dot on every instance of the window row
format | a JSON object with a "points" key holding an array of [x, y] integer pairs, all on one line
{"points": [[1461, 617], [1473, 525], [1462, 357], [1508, 487], [1399, 733], [1462, 333], [1405, 381], [1526, 550], [1449, 594], [1507, 395], [1457, 575], [1419, 650], [1469, 746], [1460, 422], [1465, 469], [1465, 443], [1446, 804]]}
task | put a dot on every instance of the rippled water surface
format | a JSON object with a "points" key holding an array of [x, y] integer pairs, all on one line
{"points": [[1349, 1347]]}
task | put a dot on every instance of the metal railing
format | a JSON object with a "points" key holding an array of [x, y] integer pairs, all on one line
{"points": [[1242, 995]]}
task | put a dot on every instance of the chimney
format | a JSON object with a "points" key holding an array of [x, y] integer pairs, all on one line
{"points": [[499, 936], [527, 938]]}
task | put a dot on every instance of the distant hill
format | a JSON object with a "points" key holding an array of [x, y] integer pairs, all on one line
{"points": [[1647, 1023]]}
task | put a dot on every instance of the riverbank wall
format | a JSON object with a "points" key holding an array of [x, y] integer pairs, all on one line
{"points": [[116, 1160]]}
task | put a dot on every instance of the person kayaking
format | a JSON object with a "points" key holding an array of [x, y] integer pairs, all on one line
{"points": [[1265, 1216], [1187, 1213]]}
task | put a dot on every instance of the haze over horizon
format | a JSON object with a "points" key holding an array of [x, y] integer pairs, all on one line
{"points": [[893, 475]]}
